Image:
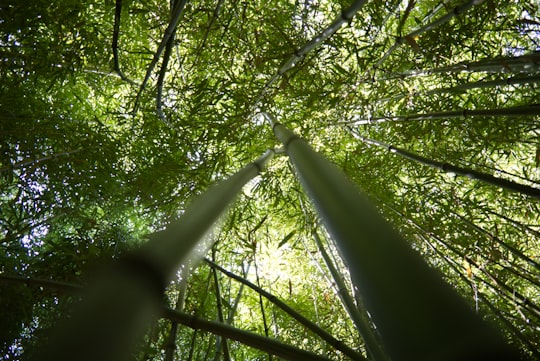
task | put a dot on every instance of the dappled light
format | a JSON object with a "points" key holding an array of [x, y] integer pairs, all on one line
{"points": [[130, 167]]}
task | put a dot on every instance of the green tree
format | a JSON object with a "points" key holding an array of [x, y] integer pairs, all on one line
{"points": [[115, 114]]}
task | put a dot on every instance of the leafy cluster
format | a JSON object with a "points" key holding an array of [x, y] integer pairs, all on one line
{"points": [[113, 115]]}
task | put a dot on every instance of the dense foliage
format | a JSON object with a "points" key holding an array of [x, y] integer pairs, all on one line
{"points": [[93, 158]]}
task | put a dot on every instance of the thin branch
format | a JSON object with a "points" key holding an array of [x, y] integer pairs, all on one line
{"points": [[449, 168], [345, 17], [467, 86], [221, 345], [339, 345], [116, 36], [529, 63], [38, 282], [524, 110], [406, 14], [458, 10], [171, 28], [170, 348], [261, 305], [200, 48], [162, 73], [27, 162], [259, 342]]}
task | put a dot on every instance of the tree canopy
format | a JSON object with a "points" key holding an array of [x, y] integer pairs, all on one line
{"points": [[115, 114]]}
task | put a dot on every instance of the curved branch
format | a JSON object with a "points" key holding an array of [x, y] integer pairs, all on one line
{"points": [[339, 345], [161, 78], [458, 10], [171, 28], [259, 342], [449, 168], [116, 35]]}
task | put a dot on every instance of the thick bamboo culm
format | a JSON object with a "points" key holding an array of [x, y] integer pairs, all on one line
{"points": [[418, 315], [120, 304], [372, 344]]}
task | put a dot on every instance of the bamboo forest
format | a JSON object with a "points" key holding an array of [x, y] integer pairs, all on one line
{"points": [[270, 180]]}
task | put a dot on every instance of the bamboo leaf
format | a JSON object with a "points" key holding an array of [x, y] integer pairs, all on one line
{"points": [[286, 238]]}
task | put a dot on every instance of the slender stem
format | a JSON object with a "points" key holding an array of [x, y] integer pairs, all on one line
{"points": [[221, 345], [192, 345], [339, 345], [171, 28], [200, 48], [345, 16], [261, 305], [520, 64], [472, 85], [525, 110], [262, 343], [451, 14], [448, 168], [162, 73], [116, 36], [37, 282], [230, 318], [170, 347]]}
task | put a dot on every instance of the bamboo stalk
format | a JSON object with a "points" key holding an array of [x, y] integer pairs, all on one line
{"points": [[261, 305], [163, 72], [524, 110], [374, 349], [221, 345], [171, 28], [230, 318], [345, 16], [458, 10], [259, 342], [170, 347], [529, 63], [120, 304], [448, 168], [200, 48], [37, 282], [511, 294], [472, 85], [517, 333], [418, 315], [168, 249], [116, 36], [339, 345]]}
